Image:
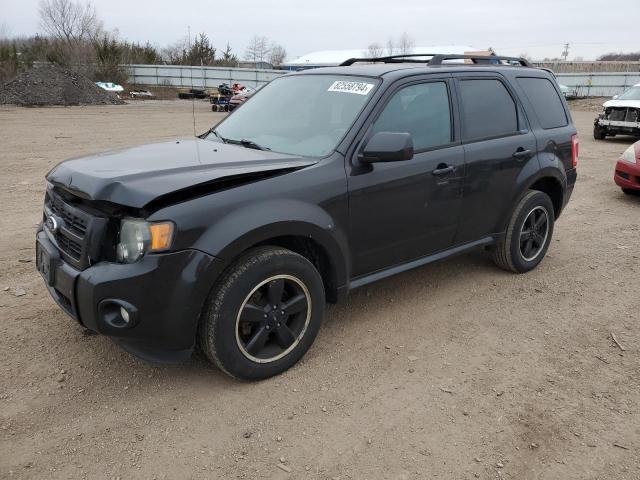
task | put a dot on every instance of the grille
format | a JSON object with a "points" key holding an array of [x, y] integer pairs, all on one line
{"points": [[73, 222], [79, 234]]}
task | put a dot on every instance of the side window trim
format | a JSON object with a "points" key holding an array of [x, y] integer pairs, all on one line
{"points": [[524, 126], [454, 140]]}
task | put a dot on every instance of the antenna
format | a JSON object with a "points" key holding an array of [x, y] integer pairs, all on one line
{"points": [[565, 52]]}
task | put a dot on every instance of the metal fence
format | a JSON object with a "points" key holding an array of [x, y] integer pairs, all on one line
{"points": [[598, 84], [594, 84], [590, 67], [185, 76]]}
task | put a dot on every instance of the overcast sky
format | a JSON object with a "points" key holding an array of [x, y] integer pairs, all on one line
{"points": [[536, 27]]}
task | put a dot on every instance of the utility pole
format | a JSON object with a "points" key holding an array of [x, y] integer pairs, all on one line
{"points": [[565, 52]]}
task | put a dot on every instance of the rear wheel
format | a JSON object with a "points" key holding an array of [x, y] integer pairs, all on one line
{"points": [[528, 235], [599, 133], [263, 315]]}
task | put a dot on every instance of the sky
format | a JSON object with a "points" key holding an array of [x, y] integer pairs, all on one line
{"points": [[538, 28]]}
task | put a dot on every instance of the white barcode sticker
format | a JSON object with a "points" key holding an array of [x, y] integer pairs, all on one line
{"points": [[359, 88]]}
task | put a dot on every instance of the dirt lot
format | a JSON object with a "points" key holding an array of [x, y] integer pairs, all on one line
{"points": [[456, 371]]}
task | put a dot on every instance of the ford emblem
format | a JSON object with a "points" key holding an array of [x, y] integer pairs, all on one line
{"points": [[52, 224]]}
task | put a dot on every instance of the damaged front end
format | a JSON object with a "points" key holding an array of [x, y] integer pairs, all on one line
{"points": [[618, 120]]}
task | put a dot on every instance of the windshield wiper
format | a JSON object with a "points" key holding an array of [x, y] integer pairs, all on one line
{"points": [[245, 143], [213, 130]]}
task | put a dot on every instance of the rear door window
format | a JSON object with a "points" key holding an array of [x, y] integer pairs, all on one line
{"points": [[488, 111], [545, 100]]}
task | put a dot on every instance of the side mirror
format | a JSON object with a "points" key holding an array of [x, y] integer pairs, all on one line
{"points": [[388, 147], [615, 97]]}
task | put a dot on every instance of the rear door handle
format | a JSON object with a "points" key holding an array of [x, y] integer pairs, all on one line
{"points": [[443, 170], [521, 154]]}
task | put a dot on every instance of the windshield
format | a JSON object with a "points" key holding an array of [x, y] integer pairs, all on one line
{"points": [[304, 115], [632, 94]]}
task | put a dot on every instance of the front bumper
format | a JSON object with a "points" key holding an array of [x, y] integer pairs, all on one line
{"points": [[618, 126], [627, 175], [166, 291]]}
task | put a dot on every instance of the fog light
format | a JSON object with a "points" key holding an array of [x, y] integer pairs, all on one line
{"points": [[118, 313]]}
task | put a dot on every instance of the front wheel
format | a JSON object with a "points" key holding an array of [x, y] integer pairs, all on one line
{"points": [[263, 314], [599, 133], [528, 235]]}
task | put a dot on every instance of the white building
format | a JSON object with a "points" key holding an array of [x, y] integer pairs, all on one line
{"points": [[331, 58]]}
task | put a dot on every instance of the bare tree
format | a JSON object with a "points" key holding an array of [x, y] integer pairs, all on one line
{"points": [[69, 21], [390, 46], [174, 54], [5, 31], [278, 54], [405, 44], [375, 50], [258, 49]]}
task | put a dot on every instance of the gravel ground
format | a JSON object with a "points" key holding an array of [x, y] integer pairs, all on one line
{"points": [[457, 370]]}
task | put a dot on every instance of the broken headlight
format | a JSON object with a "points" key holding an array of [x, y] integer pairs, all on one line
{"points": [[138, 237]]}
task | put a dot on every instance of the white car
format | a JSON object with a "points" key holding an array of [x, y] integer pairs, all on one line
{"points": [[621, 115], [110, 87]]}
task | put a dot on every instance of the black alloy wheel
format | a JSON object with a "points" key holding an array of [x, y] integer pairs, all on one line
{"points": [[273, 318], [534, 233]]}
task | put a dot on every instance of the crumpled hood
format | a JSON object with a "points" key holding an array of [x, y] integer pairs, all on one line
{"points": [[622, 103], [135, 176]]}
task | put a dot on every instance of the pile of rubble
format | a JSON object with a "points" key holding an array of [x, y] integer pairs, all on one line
{"points": [[49, 84]]}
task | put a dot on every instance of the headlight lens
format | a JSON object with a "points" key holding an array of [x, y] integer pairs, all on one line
{"points": [[138, 237], [629, 154]]}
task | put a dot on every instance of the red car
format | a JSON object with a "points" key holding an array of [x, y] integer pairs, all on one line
{"points": [[627, 174]]}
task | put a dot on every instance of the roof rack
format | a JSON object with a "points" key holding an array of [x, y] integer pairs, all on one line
{"points": [[438, 59]]}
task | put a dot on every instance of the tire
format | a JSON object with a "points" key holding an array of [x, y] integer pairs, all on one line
{"points": [[599, 133], [630, 191], [511, 252], [241, 332]]}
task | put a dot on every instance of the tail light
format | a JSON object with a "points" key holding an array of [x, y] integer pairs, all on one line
{"points": [[575, 147]]}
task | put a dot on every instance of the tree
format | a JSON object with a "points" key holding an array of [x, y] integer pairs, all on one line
{"points": [[108, 59], [202, 52], [278, 54], [69, 21], [258, 50], [175, 53], [228, 59], [621, 57], [390, 46], [5, 31], [144, 54], [375, 50], [405, 44]]}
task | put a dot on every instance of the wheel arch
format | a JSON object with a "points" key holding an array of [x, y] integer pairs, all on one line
{"points": [[554, 188], [306, 229]]}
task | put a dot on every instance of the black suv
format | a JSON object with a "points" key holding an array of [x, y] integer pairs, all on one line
{"points": [[324, 181]]}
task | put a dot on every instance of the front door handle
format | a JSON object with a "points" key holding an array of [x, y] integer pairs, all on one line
{"points": [[443, 170], [521, 154]]}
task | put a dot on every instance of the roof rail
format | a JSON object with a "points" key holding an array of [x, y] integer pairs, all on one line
{"points": [[438, 59], [389, 59], [482, 59]]}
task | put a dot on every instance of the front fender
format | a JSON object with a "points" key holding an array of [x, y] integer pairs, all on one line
{"points": [[256, 223]]}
